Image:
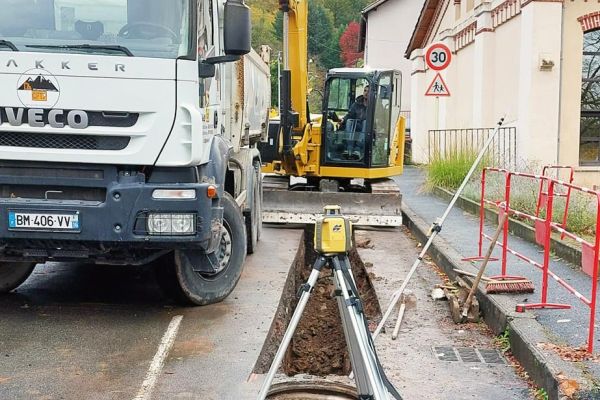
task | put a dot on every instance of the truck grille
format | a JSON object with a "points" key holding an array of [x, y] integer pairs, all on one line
{"points": [[74, 142]]}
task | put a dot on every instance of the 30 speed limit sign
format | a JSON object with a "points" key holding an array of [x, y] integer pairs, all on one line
{"points": [[438, 57]]}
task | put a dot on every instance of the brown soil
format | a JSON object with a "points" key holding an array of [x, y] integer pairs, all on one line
{"points": [[318, 346]]}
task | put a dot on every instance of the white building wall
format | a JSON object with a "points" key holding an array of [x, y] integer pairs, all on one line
{"points": [[504, 79], [389, 30], [571, 90], [497, 73]]}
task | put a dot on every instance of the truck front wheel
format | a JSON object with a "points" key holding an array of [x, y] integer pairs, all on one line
{"points": [[201, 288], [12, 275]]}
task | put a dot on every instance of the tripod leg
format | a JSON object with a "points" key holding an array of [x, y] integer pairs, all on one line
{"points": [[359, 376], [289, 333], [367, 363]]}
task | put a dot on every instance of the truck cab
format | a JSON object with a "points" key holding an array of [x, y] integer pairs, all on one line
{"points": [[119, 142]]}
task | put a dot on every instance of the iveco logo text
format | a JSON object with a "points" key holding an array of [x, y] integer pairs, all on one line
{"points": [[64, 65], [36, 118]]}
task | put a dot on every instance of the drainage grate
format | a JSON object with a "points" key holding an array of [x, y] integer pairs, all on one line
{"points": [[491, 356], [445, 353], [468, 355]]}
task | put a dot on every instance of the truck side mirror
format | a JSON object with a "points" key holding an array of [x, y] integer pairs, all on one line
{"points": [[206, 70], [238, 31]]}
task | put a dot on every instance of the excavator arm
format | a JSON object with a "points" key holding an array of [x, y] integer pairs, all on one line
{"points": [[294, 77]]}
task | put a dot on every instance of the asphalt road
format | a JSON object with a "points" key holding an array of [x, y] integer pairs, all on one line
{"points": [[568, 326], [90, 332], [86, 332]]}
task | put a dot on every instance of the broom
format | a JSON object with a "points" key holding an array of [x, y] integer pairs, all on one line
{"points": [[497, 286], [506, 284]]}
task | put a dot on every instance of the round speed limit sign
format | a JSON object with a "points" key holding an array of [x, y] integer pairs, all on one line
{"points": [[438, 57]]}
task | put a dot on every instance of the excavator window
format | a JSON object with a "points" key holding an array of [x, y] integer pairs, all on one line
{"points": [[382, 121], [346, 128]]}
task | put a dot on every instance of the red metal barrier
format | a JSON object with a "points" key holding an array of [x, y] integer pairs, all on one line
{"points": [[590, 254], [502, 205], [544, 229], [482, 203], [543, 197]]}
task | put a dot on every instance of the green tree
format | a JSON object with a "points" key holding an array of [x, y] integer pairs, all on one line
{"points": [[346, 11], [278, 26], [274, 82], [262, 28], [320, 28], [323, 37]]}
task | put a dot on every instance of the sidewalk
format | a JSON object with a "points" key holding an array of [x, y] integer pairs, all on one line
{"points": [[460, 230]]}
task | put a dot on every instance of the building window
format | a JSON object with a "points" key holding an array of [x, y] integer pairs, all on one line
{"points": [[589, 143]]}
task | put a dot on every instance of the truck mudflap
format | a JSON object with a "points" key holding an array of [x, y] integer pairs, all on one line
{"points": [[379, 208]]}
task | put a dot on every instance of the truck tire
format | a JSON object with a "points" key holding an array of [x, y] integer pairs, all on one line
{"points": [[203, 289], [254, 219], [12, 275]]}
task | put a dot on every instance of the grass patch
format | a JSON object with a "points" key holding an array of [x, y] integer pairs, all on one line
{"points": [[449, 172], [503, 341], [540, 394]]}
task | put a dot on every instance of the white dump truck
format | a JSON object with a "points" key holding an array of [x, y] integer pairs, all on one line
{"points": [[128, 133]]}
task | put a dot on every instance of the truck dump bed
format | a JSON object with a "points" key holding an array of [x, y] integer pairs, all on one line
{"points": [[250, 99]]}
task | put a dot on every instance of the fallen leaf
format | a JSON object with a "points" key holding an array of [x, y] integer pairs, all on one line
{"points": [[569, 387], [573, 354]]}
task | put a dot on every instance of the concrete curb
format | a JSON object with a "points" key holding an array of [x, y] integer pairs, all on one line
{"points": [[517, 228], [525, 331]]}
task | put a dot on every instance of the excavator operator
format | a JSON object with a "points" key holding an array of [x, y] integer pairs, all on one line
{"points": [[358, 109]]}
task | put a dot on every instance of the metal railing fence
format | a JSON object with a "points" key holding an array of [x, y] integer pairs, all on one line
{"points": [[448, 143]]}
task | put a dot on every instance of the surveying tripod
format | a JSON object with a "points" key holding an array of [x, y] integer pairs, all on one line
{"points": [[333, 240]]}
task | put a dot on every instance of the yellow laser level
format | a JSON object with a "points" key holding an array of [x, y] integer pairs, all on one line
{"points": [[333, 232]]}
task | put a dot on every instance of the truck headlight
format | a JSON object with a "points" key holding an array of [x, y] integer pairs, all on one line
{"points": [[171, 224]]}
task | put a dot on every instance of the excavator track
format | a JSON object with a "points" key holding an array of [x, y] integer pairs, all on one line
{"points": [[380, 207]]}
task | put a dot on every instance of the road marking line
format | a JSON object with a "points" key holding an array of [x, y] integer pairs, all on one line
{"points": [[159, 359]]}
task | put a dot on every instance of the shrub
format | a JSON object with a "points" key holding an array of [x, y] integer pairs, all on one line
{"points": [[449, 172]]}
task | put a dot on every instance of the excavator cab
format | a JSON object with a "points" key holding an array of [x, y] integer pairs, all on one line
{"points": [[361, 108]]}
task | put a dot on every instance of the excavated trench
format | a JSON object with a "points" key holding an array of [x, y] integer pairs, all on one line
{"points": [[318, 347]]}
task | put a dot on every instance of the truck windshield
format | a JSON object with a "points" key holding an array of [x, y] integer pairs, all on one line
{"points": [[141, 28]]}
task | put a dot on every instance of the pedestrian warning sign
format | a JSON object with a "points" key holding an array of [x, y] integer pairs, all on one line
{"points": [[438, 87]]}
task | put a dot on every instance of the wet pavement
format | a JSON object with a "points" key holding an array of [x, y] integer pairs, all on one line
{"points": [[565, 327], [91, 332], [414, 362]]}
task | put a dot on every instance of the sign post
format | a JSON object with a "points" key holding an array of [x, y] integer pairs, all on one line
{"points": [[438, 58]]}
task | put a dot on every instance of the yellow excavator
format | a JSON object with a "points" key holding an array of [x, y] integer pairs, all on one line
{"points": [[345, 156]]}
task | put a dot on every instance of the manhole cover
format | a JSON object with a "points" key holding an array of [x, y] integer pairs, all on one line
{"points": [[468, 355]]}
